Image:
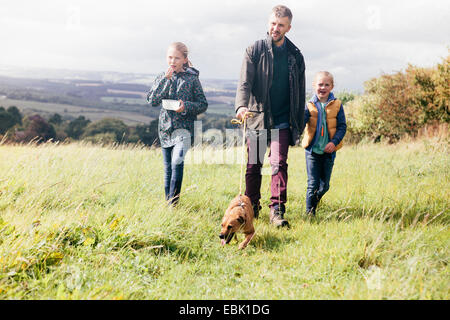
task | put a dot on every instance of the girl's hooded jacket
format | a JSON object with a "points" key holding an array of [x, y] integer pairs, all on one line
{"points": [[183, 86]]}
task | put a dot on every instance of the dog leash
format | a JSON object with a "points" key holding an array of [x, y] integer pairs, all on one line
{"points": [[244, 123]]}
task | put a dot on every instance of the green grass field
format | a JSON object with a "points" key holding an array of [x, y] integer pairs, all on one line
{"points": [[88, 222]]}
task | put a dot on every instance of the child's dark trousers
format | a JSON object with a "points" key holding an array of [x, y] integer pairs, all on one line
{"points": [[318, 168]]}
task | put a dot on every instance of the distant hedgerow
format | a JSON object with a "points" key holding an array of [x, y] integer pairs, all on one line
{"points": [[401, 104]]}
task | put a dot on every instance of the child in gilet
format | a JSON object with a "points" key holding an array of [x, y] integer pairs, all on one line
{"points": [[325, 128]]}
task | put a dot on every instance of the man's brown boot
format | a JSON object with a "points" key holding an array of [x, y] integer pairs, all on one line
{"points": [[277, 216]]}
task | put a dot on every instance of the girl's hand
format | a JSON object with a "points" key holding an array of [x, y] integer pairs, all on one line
{"points": [[169, 72], [181, 108], [330, 147]]}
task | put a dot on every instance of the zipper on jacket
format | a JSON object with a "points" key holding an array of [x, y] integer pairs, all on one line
{"points": [[321, 115], [269, 109]]}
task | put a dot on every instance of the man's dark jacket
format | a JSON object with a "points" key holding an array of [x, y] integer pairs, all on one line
{"points": [[255, 82]]}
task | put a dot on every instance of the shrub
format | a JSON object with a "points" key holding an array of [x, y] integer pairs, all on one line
{"points": [[345, 97], [400, 104], [102, 138], [360, 113], [433, 94], [148, 134], [35, 127], [107, 125], [76, 127], [9, 118]]}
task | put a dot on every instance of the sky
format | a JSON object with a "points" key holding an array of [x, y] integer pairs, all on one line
{"points": [[355, 40]]}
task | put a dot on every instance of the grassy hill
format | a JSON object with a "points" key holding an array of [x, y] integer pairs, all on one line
{"points": [[79, 221]]}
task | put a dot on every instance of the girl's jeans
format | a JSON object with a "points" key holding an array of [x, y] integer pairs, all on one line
{"points": [[318, 168], [173, 158]]}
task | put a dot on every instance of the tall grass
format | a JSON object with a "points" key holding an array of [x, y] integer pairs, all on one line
{"points": [[80, 221]]}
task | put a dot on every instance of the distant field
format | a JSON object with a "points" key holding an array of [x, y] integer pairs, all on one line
{"points": [[94, 114], [124, 100], [221, 109], [139, 93]]}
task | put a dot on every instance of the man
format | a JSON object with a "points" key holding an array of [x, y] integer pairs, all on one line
{"points": [[271, 96]]}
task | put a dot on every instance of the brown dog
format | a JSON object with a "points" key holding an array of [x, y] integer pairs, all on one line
{"points": [[238, 218]]}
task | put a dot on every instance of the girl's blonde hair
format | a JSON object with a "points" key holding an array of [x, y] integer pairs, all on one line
{"points": [[181, 47]]}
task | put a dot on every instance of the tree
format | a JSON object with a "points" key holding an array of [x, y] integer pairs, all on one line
{"points": [[9, 118], [345, 97], [433, 91], [55, 119], [108, 125], [36, 128], [76, 127], [148, 134], [16, 114], [400, 104], [6, 121]]}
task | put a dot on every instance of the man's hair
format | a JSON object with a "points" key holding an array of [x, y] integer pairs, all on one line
{"points": [[282, 11]]}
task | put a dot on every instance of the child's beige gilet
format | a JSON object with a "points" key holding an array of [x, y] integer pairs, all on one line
{"points": [[331, 109]]}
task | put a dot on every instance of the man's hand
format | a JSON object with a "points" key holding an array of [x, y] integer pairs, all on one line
{"points": [[241, 113], [330, 147]]}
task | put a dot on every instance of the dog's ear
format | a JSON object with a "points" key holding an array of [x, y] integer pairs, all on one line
{"points": [[241, 219]]}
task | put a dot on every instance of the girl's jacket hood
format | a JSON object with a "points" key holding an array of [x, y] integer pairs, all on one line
{"points": [[192, 70]]}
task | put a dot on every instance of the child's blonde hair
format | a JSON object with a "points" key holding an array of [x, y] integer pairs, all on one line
{"points": [[326, 74], [181, 47]]}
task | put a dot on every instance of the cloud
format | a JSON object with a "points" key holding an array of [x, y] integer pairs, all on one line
{"points": [[356, 40]]}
